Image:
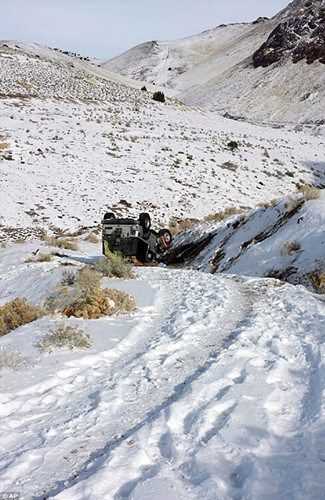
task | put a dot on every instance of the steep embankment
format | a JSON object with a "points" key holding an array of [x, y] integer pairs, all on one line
{"points": [[285, 240]]}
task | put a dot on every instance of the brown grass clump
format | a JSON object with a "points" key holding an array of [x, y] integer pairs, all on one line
{"points": [[113, 266], [225, 214], [92, 238], [4, 145], [65, 336], [67, 243], [176, 226], [40, 257], [268, 204], [318, 281], [16, 313], [309, 192], [290, 248]]}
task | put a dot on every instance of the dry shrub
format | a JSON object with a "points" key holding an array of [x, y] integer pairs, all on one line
{"points": [[92, 238], [67, 243], [268, 204], [318, 281], [16, 313], [176, 226], [121, 302], [40, 257], [114, 266], [64, 336], [89, 301], [225, 214], [290, 248], [159, 96], [12, 360], [4, 145], [68, 277], [309, 192]]}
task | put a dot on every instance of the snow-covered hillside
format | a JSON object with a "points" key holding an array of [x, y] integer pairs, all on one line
{"points": [[284, 240], [194, 60], [211, 389], [271, 71], [74, 144]]}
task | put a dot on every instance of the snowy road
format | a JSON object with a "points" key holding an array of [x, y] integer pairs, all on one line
{"points": [[211, 390]]}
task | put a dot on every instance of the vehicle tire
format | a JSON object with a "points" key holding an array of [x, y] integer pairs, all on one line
{"points": [[145, 222], [166, 235], [109, 215]]}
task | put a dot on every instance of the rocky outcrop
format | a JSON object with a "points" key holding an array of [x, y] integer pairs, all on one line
{"points": [[301, 36]]}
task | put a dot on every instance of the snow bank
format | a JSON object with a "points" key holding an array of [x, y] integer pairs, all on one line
{"points": [[286, 241]]}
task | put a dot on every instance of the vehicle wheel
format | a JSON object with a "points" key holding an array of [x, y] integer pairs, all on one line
{"points": [[109, 215], [166, 236], [145, 222]]}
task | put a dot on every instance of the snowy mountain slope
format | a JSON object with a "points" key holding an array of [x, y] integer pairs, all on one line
{"points": [[283, 80], [193, 60], [285, 240], [290, 94], [161, 405], [258, 70], [79, 145], [35, 56]]}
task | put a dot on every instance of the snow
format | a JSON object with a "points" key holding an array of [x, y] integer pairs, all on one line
{"points": [[212, 388], [82, 146]]}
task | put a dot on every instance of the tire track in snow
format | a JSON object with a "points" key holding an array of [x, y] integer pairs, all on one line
{"points": [[168, 391]]}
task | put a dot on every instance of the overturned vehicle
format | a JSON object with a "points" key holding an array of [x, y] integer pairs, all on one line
{"points": [[134, 238]]}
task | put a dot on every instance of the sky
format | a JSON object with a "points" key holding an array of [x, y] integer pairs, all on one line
{"points": [[105, 28]]}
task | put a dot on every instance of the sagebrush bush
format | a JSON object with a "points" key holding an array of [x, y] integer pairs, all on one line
{"points": [[40, 257], [121, 302], [114, 266], [84, 298], [16, 313], [90, 301], [178, 225], [64, 336], [225, 214], [309, 192], [92, 238], [159, 96], [12, 360], [318, 281], [67, 243], [291, 247], [232, 145], [68, 277]]}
